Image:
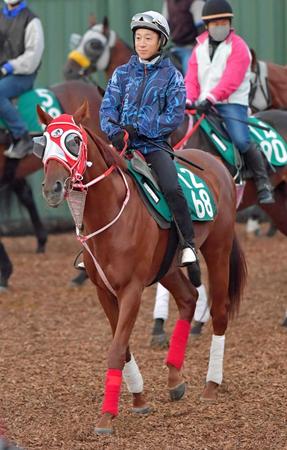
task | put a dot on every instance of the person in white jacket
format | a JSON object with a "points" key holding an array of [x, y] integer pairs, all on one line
{"points": [[21, 50], [218, 77]]}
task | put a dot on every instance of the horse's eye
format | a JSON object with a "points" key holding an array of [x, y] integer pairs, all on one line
{"points": [[73, 143]]}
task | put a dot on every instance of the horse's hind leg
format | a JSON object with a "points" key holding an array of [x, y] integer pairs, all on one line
{"points": [[25, 196], [185, 295], [217, 260]]}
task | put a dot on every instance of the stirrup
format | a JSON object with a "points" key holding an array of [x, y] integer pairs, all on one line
{"points": [[188, 256], [265, 196], [81, 266]]}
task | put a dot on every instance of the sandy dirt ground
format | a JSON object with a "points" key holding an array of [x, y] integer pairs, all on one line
{"points": [[54, 343]]}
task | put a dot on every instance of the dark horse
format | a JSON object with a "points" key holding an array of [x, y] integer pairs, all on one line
{"points": [[70, 95], [276, 211], [124, 248], [6, 268]]}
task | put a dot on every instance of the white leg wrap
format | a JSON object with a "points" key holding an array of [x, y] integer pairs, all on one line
{"points": [[252, 225], [202, 313], [132, 376], [161, 303], [215, 366]]}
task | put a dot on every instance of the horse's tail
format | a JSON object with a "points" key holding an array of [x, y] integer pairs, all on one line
{"points": [[237, 276]]}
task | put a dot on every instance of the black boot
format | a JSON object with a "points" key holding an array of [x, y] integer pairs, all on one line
{"points": [[20, 148], [179, 208], [255, 163]]}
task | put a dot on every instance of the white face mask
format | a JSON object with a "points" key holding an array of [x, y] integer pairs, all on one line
{"points": [[11, 2], [219, 32]]}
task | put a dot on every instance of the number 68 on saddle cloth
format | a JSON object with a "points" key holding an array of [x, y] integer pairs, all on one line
{"points": [[199, 197]]}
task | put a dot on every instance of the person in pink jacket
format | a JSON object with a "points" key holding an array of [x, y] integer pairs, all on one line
{"points": [[218, 76]]}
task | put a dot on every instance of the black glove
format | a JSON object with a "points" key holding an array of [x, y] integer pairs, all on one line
{"points": [[118, 141], [190, 106], [204, 106], [132, 132]]}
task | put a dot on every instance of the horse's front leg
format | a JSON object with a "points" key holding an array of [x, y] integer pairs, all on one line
{"points": [[134, 382], [128, 302]]}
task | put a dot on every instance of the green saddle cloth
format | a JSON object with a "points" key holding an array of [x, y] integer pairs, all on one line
{"points": [[199, 198], [270, 142], [26, 105]]}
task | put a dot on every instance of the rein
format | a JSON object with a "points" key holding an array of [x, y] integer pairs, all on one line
{"points": [[77, 184], [183, 141]]}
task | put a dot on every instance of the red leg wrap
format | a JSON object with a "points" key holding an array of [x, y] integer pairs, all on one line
{"points": [[178, 343], [112, 391]]}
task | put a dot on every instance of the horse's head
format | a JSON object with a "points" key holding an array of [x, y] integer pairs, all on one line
{"points": [[63, 149], [91, 52]]}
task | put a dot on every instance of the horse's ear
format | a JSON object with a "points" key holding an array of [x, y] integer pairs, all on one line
{"points": [[92, 20], [44, 117], [106, 26], [82, 113]]}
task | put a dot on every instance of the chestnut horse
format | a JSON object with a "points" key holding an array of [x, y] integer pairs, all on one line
{"points": [[276, 211], [124, 248], [70, 96], [268, 85]]}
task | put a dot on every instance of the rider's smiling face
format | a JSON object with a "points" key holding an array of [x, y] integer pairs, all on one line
{"points": [[147, 43]]}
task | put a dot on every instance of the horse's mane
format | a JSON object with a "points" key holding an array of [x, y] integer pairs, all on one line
{"points": [[110, 156]]}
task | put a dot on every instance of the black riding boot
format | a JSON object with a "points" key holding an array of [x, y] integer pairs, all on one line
{"points": [[179, 208], [255, 162]]}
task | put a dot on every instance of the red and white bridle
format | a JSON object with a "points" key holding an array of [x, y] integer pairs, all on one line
{"points": [[66, 142]]}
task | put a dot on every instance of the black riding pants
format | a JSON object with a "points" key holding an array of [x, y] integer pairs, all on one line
{"points": [[164, 168]]}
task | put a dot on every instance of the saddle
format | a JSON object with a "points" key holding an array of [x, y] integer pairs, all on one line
{"points": [[269, 141]]}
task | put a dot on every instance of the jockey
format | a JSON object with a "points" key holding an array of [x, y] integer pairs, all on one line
{"points": [[219, 75], [147, 97], [21, 49]]}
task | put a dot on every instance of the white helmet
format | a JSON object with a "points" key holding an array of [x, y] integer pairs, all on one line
{"points": [[151, 20], [12, 2]]}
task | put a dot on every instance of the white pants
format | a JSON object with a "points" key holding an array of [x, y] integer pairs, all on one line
{"points": [[162, 299]]}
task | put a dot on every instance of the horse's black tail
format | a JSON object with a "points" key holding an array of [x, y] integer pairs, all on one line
{"points": [[237, 277]]}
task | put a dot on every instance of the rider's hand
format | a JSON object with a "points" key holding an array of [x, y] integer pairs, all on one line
{"points": [[189, 105], [6, 69], [204, 106], [131, 131], [3, 72], [118, 140]]}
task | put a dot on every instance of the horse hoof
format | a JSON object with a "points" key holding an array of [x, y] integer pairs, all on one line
{"points": [[210, 392], [196, 329], [103, 431], [178, 392], [3, 290], [159, 341], [141, 410], [41, 249]]}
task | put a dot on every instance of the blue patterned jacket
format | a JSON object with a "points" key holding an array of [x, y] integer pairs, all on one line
{"points": [[149, 97]]}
